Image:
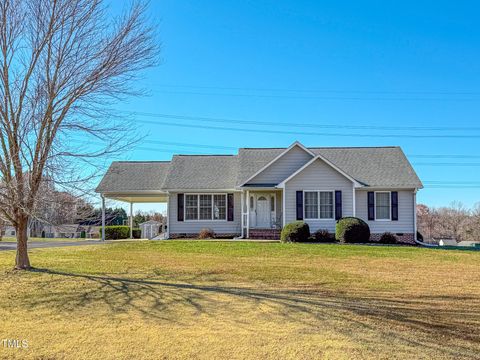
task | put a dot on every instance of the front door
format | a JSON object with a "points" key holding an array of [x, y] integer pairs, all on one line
{"points": [[263, 212]]}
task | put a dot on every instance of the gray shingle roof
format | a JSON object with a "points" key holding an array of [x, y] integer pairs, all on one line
{"points": [[202, 172], [373, 166], [370, 166], [134, 176]]}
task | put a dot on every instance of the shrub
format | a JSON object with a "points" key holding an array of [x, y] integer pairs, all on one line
{"points": [[136, 233], [206, 233], [419, 236], [352, 230], [116, 232], [388, 238], [323, 235], [297, 231]]}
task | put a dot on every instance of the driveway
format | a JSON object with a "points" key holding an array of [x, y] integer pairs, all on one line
{"points": [[46, 244]]}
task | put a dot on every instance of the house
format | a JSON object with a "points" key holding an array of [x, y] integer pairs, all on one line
{"points": [[254, 193]]}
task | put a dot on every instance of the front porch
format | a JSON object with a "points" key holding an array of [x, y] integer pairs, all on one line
{"points": [[262, 213]]}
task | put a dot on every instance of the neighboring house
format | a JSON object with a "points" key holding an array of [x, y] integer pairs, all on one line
{"points": [[9, 231], [70, 231], [254, 193]]}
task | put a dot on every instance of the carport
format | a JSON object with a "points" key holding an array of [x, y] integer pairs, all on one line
{"points": [[133, 182]]}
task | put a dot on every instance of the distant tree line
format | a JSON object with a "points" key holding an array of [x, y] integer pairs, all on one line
{"points": [[455, 221]]}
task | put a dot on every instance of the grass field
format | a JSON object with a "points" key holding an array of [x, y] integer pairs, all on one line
{"points": [[211, 300]]}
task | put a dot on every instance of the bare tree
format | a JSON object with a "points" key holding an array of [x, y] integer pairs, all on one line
{"points": [[63, 63]]}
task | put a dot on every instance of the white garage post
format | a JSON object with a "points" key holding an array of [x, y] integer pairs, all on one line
{"points": [[131, 220], [103, 218]]}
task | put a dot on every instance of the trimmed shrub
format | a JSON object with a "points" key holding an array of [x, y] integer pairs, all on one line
{"points": [[388, 238], [206, 233], [136, 233], [323, 235], [116, 232], [297, 231], [352, 230], [419, 236]]}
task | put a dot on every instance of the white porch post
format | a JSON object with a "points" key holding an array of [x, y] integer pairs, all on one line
{"points": [[248, 214], [354, 212], [167, 235], [131, 220], [242, 199], [103, 218]]}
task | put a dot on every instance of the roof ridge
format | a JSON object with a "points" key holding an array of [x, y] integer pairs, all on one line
{"points": [[324, 147], [204, 155], [142, 161]]}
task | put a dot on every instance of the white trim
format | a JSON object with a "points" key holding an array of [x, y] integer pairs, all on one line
{"points": [[415, 215], [389, 205], [198, 207], [296, 143], [284, 212], [320, 157], [248, 213], [196, 191], [354, 212], [318, 205]]}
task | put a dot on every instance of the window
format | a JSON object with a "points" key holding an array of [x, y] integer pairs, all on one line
{"points": [[219, 207], [191, 207], [272, 204], [205, 206], [382, 205], [318, 204], [311, 205], [326, 205], [251, 202]]}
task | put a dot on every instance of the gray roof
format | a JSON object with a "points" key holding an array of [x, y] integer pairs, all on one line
{"points": [[134, 176], [202, 172], [370, 166]]}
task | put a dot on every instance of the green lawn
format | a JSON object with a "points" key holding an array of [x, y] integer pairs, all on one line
{"points": [[208, 300]]}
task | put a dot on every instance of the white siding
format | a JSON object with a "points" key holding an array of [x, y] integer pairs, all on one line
{"points": [[405, 223], [193, 227], [285, 166], [318, 176]]}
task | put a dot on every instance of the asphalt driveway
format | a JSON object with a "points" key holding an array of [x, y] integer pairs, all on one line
{"points": [[46, 244]]}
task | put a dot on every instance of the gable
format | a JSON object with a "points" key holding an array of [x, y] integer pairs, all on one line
{"points": [[282, 167], [317, 172]]}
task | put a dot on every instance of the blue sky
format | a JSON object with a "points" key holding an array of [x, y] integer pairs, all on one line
{"points": [[367, 73]]}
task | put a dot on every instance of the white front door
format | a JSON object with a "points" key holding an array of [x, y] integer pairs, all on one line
{"points": [[263, 212]]}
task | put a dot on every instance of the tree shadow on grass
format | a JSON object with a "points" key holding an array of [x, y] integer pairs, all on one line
{"points": [[416, 322]]}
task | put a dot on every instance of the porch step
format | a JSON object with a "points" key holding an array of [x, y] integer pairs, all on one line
{"points": [[270, 234]]}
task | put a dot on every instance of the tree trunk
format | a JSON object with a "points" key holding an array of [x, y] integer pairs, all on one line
{"points": [[22, 262]]}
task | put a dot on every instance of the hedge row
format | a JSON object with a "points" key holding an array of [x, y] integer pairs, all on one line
{"points": [[117, 232], [347, 230]]}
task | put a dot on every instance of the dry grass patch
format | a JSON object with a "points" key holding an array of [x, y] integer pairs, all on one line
{"points": [[207, 300]]}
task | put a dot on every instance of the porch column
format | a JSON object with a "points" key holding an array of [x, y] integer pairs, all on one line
{"points": [[242, 199], [131, 220], [248, 214], [103, 218], [167, 233]]}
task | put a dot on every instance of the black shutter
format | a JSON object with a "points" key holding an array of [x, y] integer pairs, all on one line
{"points": [[371, 205], [394, 205], [180, 206], [300, 205], [338, 204], [230, 207]]}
